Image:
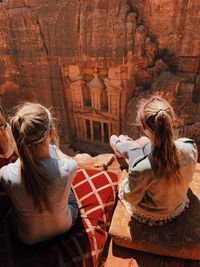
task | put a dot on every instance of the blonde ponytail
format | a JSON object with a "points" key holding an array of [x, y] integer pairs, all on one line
{"points": [[30, 126]]}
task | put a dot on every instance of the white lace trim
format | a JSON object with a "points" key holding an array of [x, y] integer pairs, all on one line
{"points": [[151, 220]]}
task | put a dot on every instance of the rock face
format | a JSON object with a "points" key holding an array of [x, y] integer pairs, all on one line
{"points": [[89, 59], [179, 93], [174, 23]]}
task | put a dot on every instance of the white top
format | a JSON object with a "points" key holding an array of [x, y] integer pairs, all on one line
{"points": [[34, 226]]}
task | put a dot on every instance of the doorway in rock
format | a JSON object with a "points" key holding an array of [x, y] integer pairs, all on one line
{"points": [[106, 133], [97, 131], [93, 136], [88, 129]]}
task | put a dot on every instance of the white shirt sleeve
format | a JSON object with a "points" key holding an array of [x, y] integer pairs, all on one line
{"points": [[68, 168]]}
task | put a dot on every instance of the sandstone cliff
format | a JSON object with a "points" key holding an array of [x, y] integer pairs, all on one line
{"points": [[154, 45]]}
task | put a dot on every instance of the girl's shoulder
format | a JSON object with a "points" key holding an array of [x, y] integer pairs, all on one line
{"points": [[185, 143], [141, 165], [188, 147], [67, 168], [65, 163], [184, 140], [68, 165], [10, 172]]}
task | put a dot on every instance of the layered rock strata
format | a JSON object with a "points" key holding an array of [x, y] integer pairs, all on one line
{"points": [[89, 59]]}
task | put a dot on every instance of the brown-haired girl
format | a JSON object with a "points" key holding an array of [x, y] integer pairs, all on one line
{"points": [[160, 169], [39, 183]]}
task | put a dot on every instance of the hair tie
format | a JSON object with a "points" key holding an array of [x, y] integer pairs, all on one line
{"points": [[142, 108], [46, 132], [20, 144], [147, 102], [158, 112], [20, 119]]}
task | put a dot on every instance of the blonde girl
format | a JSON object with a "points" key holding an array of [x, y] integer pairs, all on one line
{"points": [[39, 183]]}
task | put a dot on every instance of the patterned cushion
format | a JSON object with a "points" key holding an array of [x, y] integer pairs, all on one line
{"points": [[179, 238], [83, 244]]}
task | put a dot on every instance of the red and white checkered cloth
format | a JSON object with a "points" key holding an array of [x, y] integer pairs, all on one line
{"points": [[81, 246], [96, 194]]}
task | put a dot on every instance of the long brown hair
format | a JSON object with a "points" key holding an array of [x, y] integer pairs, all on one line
{"points": [[157, 116], [30, 126]]}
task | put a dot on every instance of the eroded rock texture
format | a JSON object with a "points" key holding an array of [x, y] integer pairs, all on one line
{"points": [[88, 59], [174, 23]]}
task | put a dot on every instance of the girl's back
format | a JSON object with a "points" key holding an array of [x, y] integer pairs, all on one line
{"points": [[156, 187], [35, 226], [35, 222]]}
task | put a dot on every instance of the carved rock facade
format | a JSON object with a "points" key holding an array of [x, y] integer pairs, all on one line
{"points": [[89, 59]]}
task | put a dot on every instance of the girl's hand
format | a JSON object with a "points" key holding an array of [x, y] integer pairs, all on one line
{"points": [[6, 142], [61, 155]]}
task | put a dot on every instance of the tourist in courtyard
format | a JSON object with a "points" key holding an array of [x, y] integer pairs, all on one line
{"points": [[160, 168], [39, 182]]}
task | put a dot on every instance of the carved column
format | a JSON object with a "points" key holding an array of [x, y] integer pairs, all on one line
{"points": [[114, 98], [77, 94], [84, 130], [96, 87], [92, 131], [77, 127], [102, 132], [109, 131]]}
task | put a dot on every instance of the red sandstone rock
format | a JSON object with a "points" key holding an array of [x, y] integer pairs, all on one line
{"points": [[100, 162], [45, 45]]}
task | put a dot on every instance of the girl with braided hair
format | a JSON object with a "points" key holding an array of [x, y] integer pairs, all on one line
{"points": [[160, 168], [39, 182]]}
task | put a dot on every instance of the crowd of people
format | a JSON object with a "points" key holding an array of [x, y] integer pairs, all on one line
{"points": [[38, 176]]}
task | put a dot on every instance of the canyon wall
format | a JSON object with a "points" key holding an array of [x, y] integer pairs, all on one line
{"points": [[91, 59], [174, 23]]}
